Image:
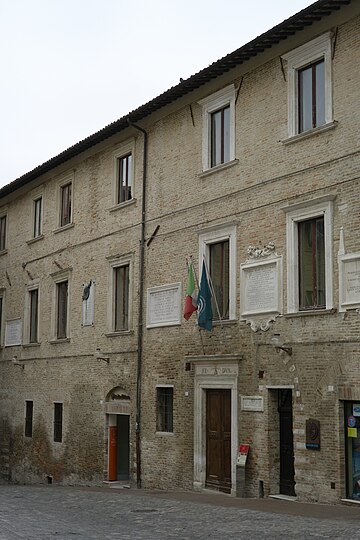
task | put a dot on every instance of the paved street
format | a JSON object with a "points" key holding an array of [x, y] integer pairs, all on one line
{"points": [[48, 512]]}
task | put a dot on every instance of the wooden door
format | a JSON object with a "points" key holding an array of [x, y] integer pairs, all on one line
{"points": [[287, 471], [218, 440]]}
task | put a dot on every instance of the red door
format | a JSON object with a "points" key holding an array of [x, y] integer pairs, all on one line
{"points": [[218, 440]]}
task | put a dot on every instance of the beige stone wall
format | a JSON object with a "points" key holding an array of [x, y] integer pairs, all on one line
{"points": [[249, 194]]}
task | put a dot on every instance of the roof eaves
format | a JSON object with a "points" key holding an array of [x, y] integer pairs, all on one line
{"points": [[289, 27]]}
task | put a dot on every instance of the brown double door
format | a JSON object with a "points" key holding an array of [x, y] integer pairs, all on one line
{"points": [[218, 440], [287, 471]]}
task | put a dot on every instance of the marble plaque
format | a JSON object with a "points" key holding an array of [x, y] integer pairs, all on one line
{"points": [[164, 305], [252, 403], [260, 287], [349, 286], [13, 332]]}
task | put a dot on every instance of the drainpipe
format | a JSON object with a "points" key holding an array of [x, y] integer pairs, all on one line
{"points": [[140, 307]]}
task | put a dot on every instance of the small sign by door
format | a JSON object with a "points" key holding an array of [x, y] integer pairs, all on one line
{"points": [[242, 455]]}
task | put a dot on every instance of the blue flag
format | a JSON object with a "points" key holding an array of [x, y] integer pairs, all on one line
{"points": [[205, 314]]}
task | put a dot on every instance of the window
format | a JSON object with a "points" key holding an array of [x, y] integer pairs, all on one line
{"points": [[119, 294], [311, 263], [58, 421], [1, 316], [218, 246], [65, 208], [218, 128], [164, 419], [121, 299], [124, 171], [34, 315], [29, 406], [310, 86], [219, 274], [220, 136], [37, 226], [61, 309], [309, 255], [3, 233]]}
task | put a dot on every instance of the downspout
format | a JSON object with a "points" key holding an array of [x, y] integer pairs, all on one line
{"points": [[140, 308]]}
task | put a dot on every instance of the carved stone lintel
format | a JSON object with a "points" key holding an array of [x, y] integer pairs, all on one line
{"points": [[261, 324], [256, 252]]}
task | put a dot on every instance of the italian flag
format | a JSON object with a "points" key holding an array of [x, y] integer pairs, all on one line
{"points": [[191, 296]]}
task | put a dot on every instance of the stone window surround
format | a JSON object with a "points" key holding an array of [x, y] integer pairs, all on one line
{"points": [[36, 195], [322, 206], [210, 104], [26, 328], [115, 262], [320, 47], [212, 235], [123, 150]]}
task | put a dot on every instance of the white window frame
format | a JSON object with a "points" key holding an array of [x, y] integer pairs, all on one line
{"points": [[35, 285], [213, 235], [68, 179], [211, 104], [120, 152], [116, 262], [295, 214], [318, 48], [59, 277]]}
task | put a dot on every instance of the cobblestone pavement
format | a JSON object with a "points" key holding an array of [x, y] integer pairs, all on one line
{"points": [[53, 512]]}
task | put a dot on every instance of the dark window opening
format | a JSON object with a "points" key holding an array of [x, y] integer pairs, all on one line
{"points": [[34, 314], [37, 217], [62, 308], [164, 421], [124, 178], [311, 89], [29, 406], [2, 233], [121, 318], [311, 264], [65, 215], [58, 421], [220, 136], [219, 273]]}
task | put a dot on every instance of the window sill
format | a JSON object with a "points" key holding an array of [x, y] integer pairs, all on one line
{"points": [[29, 345], [3, 252], [310, 133], [122, 333], [225, 322], [64, 228], [62, 340], [311, 312], [218, 168], [122, 205], [36, 239], [164, 433]]}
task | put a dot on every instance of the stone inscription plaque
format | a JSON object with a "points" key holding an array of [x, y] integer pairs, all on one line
{"points": [[252, 403], [352, 281], [260, 289], [13, 332], [164, 305]]}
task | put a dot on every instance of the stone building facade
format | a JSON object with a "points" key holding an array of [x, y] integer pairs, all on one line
{"points": [[251, 165]]}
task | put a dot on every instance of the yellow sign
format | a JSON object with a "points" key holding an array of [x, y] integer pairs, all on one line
{"points": [[352, 432]]}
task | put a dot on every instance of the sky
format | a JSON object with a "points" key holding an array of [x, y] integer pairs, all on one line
{"points": [[71, 67]]}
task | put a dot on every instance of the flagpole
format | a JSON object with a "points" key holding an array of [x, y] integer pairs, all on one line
{"points": [[213, 291], [197, 283]]}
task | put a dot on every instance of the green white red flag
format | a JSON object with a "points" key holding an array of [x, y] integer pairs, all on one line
{"points": [[191, 297]]}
